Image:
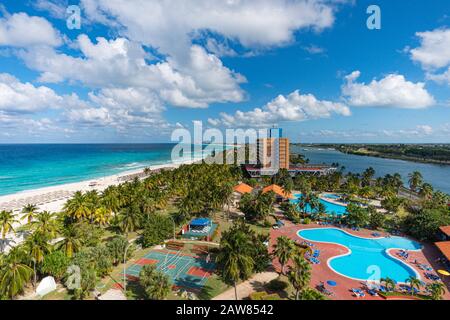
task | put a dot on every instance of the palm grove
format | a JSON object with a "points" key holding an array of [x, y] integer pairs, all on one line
{"points": [[94, 230]]}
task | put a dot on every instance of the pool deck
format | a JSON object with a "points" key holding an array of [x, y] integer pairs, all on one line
{"points": [[322, 272]]}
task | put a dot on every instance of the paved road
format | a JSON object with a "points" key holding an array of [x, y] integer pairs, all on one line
{"points": [[247, 287]]}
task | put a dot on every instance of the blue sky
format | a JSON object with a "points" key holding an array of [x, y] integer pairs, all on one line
{"points": [[135, 71]]}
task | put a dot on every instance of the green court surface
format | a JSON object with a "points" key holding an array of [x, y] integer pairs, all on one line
{"points": [[184, 270]]}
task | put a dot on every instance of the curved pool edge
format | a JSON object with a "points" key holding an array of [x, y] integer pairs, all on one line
{"points": [[349, 252]]}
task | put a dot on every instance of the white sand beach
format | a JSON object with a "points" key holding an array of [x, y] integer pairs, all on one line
{"points": [[53, 198]]}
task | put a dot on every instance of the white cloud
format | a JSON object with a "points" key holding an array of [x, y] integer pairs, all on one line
{"points": [[391, 91], [56, 8], [313, 49], [443, 77], [117, 108], [121, 63], [169, 25], [294, 107], [220, 49], [21, 30], [16, 96], [434, 50]]}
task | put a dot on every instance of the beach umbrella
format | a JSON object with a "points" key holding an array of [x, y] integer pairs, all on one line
{"points": [[444, 273], [331, 283]]}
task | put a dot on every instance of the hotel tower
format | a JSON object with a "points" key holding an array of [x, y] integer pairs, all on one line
{"points": [[273, 151]]}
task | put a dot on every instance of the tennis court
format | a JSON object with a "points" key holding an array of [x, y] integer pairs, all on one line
{"points": [[184, 270]]}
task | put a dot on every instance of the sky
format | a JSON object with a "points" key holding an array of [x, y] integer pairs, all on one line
{"points": [[136, 70]]}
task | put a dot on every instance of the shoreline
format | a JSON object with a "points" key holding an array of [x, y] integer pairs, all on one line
{"points": [[66, 189]]}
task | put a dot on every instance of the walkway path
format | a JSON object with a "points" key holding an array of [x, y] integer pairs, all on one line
{"points": [[247, 287]]}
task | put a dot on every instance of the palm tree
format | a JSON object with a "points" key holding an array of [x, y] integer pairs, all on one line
{"points": [[415, 180], [14, 274], [102, 216], [78, 207], [388, 283], [436, 289], [46, 224], [299, 275], [70, 243], [159, 287], [414, 283], [6, 222], [29, 212], [234, 258], [284, 250], [129, 219], [426, 191], [37, 247]]}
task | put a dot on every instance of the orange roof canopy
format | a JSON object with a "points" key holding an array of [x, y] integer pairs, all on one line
{"points": [[278, 190], [444, 246], [243, 188], [445, 230]]}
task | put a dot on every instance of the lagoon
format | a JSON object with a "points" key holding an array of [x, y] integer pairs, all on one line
{"points": [[437, 175]]}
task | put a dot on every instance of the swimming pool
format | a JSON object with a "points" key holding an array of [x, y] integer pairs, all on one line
{"points": [[331, 208], [332, 196], [368, 259]]}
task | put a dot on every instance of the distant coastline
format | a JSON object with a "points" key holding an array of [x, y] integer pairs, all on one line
{"points": [[433, 153]]}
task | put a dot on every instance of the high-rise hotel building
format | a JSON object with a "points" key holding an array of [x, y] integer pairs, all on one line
{"points": [[273, 151]]}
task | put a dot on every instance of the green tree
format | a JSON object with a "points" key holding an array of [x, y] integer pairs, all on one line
{"points": [[29, 211], [415, 180], [70, 242], [424, 224], [157, 228], [234, 259], [299, 275], [37, 247], [357, 216], [284, 251], [376, 219], [55, 264], [426, 191], [156, 284], [88, 281], [311, 294], [14, 274], [117, 247], [388, 283], [7, 220], [436, 289], [414, 283]]}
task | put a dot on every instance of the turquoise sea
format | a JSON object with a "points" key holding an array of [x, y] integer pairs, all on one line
{"points": [[25, 167]]}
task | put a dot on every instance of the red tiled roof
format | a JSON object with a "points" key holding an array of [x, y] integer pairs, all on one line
{"points": [[243, 188], [278, 190], [444, 246], [445, 230]]}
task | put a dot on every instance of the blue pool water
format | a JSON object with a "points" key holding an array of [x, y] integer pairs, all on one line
{"points": [[332, 196], [368, 259], [331, 208]]}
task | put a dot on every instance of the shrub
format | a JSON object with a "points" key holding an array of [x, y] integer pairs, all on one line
{"points": [[257, 295], [157, 228], [55, 264], [277, 285]]}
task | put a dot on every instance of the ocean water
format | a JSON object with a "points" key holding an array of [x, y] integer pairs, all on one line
{"points": [[25, 167], [437, 175]]}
